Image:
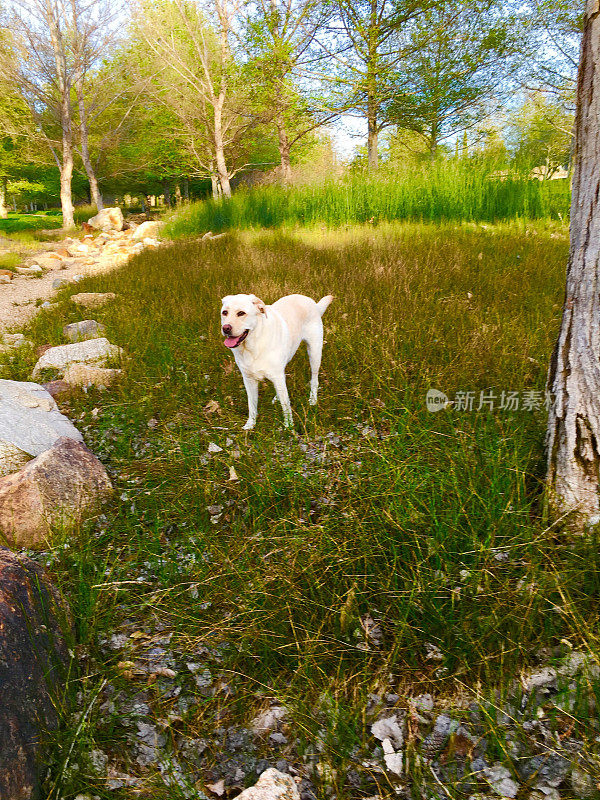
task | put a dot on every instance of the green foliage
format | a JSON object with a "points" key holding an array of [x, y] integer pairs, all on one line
{"points": [[444, 191], [540, 134], [455, 60]]}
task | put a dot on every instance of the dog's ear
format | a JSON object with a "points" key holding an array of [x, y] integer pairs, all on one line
{"points": [[259, 304], [225, 299]]}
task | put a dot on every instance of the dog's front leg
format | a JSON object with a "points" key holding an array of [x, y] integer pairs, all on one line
{"points": [[284, 399], [252, 392]]}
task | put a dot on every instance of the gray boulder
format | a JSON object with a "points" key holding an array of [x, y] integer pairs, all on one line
{"points": [[84, 330], [30, 423], [92, 351]]}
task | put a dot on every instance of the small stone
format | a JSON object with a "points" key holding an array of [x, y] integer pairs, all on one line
{"points": [[501, 781], [392, 759], [423, 702], [582, 784], [388, 728], [147, 229], [544, 679], [272, 785], [93, 299], [88, 375], [214, 448], [269, 719], [81, 331], [433, 652], [57, 388], [33, 271], [60, 283]]}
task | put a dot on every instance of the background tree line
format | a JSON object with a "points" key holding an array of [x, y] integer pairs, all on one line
{"points": [[183, 97]]}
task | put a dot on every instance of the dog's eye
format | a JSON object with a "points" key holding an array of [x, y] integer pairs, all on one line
{"points": [[241, 313], [224, 313]]}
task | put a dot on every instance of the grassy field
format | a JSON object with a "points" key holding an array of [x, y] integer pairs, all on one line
{"points": [[445, 192], [29, 225], [348, 548]]}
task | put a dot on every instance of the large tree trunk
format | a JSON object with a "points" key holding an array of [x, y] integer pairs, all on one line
{"points": [[3, 209], [222, 170], [66, 169], [284, 150], [64, 88], [85, 152], [574, 376]]}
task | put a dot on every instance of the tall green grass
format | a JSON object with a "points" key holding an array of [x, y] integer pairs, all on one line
{"points": [[445, 192]]}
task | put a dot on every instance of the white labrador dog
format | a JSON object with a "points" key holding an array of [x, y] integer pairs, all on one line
{"points": [[264, 339]]}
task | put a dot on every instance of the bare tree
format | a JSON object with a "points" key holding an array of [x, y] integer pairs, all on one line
{"points": [[195, 76], [278, 38], [43, 70], [574, 376], [93, 33]]}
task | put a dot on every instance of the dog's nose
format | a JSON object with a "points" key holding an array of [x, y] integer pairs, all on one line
{"points": [[227, 329]]}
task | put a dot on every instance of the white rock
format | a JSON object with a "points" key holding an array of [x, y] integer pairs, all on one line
{"points": [[30, 423], [268, 720], [214, 448], [272, 785], [544, 679], [147, 230], [388, 729], [92, 351], [33, 271], [393, 760], [109, 219], [499, 778]]}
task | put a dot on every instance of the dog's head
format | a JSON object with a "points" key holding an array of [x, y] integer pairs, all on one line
{"points": [[240, 314]]}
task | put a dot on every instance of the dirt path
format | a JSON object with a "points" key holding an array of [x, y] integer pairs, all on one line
{"points": [[21, 297]]}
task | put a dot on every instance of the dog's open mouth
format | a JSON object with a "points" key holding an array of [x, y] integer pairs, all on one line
{"points": [[234, 341]]}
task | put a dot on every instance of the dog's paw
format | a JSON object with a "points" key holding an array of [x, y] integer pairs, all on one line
{"points": [[312, 400], [249, 426]]}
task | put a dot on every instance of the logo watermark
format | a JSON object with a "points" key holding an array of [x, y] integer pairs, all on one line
{"points": [[489, 400], [436, 400]]}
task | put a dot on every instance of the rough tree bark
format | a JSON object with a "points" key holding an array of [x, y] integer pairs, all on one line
{"points": [[284, 150], [573, 438], [85, 151], [222, 170], [3, 209]]}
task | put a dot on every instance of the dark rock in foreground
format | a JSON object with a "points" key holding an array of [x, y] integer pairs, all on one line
{"points": [[32, 658]]}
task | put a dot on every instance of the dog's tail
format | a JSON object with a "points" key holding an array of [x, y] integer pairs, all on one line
{"points": [[323, 303]]}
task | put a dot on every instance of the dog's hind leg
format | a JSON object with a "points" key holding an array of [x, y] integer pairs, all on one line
{"points": [[284, 398], [314, 345], [252, 392]]}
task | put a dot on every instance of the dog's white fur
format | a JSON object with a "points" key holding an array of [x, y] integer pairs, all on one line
{"points": [[272, 337]]}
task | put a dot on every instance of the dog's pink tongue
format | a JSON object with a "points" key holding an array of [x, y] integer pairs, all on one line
{"points": [[231, 341]]}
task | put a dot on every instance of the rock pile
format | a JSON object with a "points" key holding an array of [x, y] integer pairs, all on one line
{"points": [[116, 243]]}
